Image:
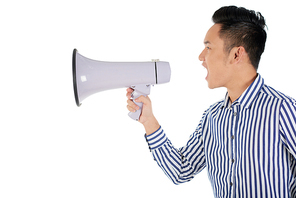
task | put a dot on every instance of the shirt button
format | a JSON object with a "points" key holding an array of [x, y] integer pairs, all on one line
{"points": [[232, 137], [234, 113], [232, 160], [231, 183]]}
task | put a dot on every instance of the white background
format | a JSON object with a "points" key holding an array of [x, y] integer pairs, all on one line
{"points": [[51, 148]]}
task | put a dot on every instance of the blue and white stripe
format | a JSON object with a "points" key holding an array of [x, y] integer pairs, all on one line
{"points": [[248, 146]]}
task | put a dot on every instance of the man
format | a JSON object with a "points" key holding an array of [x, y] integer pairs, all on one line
{"points": [[248, 140]]}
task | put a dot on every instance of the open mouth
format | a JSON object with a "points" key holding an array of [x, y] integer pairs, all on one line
{"points": [[204, 65]]}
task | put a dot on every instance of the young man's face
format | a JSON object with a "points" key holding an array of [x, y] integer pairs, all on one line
{"points": [[215, 60]]}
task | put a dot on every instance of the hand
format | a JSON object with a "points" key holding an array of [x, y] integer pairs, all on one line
{"points": [[146, 110], [147, 118]]}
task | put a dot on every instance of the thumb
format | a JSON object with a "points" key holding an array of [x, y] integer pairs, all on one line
{"points": [[143, 99]]}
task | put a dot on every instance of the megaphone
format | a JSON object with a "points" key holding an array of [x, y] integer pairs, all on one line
{"points": [[91, 76]]}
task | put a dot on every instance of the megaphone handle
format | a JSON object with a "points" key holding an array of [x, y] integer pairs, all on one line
{"points": [[139, 90]]}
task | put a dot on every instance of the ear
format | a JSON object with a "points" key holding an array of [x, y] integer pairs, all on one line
{"points": [[237, 54]]}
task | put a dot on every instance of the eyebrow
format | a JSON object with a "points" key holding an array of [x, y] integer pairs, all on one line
{"points": [[207, 42]]}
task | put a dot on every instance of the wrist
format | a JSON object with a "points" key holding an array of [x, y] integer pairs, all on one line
{"points": [[151, 125]]}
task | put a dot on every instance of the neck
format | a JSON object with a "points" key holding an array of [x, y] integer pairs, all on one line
{"points": [[239, 84]]}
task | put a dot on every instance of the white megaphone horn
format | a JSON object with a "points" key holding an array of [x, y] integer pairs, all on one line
{"points": [[91, 76]]}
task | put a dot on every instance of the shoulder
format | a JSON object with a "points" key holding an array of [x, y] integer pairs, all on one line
{"points": [[275, 94], [287, 103], [214, 107]]}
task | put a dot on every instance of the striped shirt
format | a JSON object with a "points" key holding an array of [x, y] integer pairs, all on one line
{"points": [[248, 146]]}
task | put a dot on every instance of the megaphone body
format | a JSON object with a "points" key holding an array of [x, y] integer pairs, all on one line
{"points": [[91, 76]]}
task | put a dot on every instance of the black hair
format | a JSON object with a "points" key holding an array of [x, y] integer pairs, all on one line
{"points": [[242, 27]]}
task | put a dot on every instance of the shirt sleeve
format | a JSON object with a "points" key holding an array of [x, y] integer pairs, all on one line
{"points": [[180, 165], [288, 125]]}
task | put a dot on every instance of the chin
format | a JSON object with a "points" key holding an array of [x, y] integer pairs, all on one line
{"points": [[212, 85]]}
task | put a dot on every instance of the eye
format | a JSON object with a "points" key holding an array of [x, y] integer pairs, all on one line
{"points": [[208, 48]]}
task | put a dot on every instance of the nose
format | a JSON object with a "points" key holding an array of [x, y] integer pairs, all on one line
{"points": [[202, 56]]}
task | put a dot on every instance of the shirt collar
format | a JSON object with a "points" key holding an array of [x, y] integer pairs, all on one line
{"points": [[246, 99]]}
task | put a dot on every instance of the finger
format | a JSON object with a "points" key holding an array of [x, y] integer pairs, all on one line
{"points": [[129, 89], [129, 92], [128, 95], [130, 109], [132, 105]]}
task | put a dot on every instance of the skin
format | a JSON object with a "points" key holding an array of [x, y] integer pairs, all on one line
{"points": [[230, 70]]}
